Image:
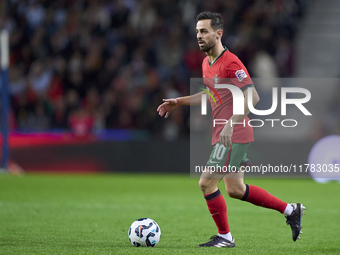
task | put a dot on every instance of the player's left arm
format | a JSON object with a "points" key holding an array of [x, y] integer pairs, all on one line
{"points": [[227, 131]]}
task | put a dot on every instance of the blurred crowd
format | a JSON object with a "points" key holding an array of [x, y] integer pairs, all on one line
{"points": [[87, 65]]}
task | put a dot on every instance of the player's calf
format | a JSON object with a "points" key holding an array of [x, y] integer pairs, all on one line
{"points": [[235, 192]]}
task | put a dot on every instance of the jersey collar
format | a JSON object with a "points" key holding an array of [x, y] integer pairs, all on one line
{"points": [[225, 49]]}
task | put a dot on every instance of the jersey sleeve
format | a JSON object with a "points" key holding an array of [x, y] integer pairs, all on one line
{"points": [[239, 75]]}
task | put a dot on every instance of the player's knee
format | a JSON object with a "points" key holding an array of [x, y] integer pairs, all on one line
{"points": [[235, 192], [206, 186], [203, 185]]}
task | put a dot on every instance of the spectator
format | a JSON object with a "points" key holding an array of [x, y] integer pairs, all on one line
{"points": [[107, 64]]}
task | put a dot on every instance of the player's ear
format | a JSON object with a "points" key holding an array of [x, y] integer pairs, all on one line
{"points": [[219, 33]]}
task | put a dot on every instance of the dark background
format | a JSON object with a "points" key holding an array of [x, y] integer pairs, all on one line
{"points": [[96, 71]]}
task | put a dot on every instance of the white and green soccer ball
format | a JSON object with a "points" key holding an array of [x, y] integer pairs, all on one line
{"points": [[144, 232]]}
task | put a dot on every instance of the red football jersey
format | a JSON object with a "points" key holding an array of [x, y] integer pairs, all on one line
{"points": [[227, 69]]}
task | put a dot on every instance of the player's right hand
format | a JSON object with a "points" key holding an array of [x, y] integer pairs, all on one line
{"points": [[168, 106]]}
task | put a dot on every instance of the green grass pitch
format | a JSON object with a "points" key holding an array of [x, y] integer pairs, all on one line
{"points": [[91, 214]]}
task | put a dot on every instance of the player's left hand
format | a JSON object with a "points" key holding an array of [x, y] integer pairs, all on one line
{"points": [[225, 135]]}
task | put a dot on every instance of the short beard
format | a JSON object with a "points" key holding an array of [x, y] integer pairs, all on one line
{"points": [[207, 47]]}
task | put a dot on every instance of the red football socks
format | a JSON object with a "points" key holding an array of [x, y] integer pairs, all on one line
{"points": [[260, 197], [218, 210], [255, 195]]}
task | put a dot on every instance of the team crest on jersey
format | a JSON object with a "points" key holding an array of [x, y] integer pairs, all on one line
{"points": [[216, 79], [241, 74]]}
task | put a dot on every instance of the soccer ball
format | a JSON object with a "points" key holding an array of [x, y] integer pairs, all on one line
{"points": [[144, 232]]}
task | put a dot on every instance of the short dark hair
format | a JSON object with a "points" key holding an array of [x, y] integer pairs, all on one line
{"points": [[216, 21]]}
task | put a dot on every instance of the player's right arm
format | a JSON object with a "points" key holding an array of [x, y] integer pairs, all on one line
{"points": [[171, 104]]}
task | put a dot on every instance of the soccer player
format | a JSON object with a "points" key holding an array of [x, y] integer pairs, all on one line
{"points": [[222, 65]]}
